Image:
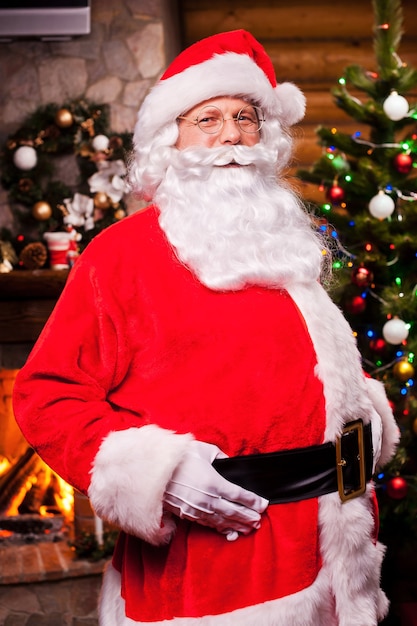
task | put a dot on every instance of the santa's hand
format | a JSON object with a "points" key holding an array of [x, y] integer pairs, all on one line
{"points": [[197, 492]]}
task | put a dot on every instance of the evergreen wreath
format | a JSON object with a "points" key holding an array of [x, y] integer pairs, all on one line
{"points": [[41, 202]]}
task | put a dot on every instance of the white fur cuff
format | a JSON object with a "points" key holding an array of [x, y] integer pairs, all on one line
{"points": [[129, 476], [390, 430]]}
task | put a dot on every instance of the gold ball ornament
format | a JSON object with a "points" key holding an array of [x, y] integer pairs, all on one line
{"points": [[64, 118], [415, 426], [119, 214], [101, 200], [42, 211], [403, 370]]}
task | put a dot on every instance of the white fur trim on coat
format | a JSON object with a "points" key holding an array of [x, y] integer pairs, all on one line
{"points": [[228, 74], [390, 430], [129, 476], [350, 556]]}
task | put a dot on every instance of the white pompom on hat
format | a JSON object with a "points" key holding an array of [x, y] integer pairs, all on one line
{"points": [[227, 64]]}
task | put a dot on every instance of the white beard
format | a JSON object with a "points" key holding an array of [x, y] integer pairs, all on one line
{"points": [[236, 226]]}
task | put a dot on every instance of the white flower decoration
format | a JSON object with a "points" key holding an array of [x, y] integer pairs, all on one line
{"points": [[80, 211], [109, 179]]}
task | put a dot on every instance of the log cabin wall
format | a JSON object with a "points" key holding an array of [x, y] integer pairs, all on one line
{"points": [[310, 43]]}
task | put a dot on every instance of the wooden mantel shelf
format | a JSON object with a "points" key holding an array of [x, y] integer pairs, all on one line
{"points": [[35, 284], [27, 298]]}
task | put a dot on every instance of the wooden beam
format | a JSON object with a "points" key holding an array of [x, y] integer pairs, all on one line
{"points": [[321, 65], [302, 19]]}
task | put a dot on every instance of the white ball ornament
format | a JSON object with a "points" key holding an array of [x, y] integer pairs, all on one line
{"points": [[381, 206], [395, 331], [100, 143], [25, 158], [395, 107]]}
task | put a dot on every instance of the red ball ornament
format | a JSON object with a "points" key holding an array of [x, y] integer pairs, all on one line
{"points": [[362, 277], [377, 345], [356, 305], [335, 194], [397, 488], [403, 163]]}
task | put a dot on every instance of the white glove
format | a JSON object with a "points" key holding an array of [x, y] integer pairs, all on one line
{"points": [[197, 492]]}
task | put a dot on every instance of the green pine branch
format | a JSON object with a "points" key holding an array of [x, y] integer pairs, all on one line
{"points": [[342, 141], [388, 30]]}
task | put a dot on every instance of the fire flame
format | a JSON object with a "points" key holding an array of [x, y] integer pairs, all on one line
{"points": [[44, 479], [4, 465]]}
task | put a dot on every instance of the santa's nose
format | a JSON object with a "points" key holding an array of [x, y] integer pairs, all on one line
{"points": [[230, 132]]}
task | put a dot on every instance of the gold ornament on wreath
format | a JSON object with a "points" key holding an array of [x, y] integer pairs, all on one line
{"points": [[102, 200], [119, 214], [39, 199], [64, 118], [41, 211]]}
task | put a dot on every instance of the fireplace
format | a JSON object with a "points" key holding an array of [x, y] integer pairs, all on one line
{"points": [[35, 503], [42, 579]]}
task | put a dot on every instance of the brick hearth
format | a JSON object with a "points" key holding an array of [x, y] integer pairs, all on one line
{"points": [[44, 584]]}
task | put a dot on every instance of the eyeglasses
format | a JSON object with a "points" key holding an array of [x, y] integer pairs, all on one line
{"points": [[210, 119]]}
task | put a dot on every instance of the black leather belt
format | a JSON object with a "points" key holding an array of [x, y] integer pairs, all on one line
{"points": [[302, 473]]}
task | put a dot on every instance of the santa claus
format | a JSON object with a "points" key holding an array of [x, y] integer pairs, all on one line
{"points": [[199, 384]]}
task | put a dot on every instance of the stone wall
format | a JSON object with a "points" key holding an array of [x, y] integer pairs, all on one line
{"points": [[130, 43]]}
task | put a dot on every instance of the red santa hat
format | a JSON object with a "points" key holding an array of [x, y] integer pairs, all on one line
{"points": [[227, 64]]}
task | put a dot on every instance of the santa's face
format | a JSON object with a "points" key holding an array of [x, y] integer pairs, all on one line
{"points": [[228, 217], [203, 125]]}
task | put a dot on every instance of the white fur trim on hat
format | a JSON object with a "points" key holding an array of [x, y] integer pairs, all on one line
{"points": [[227, 74], [292, 102]]}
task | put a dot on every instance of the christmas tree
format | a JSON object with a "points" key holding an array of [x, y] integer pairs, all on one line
{"points": [[369, 183]]}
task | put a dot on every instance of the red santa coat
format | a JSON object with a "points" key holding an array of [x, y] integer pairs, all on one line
{"points": [[137, 358]]}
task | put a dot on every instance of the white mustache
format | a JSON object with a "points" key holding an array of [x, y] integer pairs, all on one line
{"points": [[224, 155], [233, 155]]}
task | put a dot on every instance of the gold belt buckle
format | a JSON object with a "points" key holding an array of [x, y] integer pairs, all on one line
{"points": [[345, 494]]}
